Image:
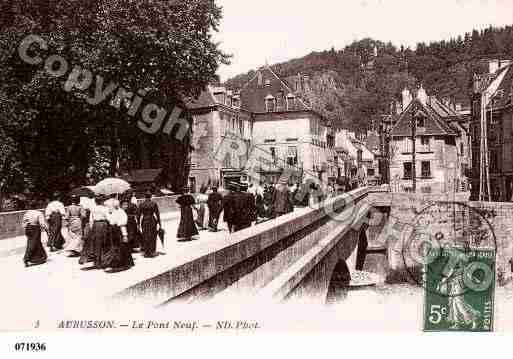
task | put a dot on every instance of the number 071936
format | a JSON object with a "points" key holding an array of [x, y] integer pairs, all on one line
{"points": [[30, 347]]}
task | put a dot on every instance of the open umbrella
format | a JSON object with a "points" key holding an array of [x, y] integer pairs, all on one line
{"points": [[82, 192], [110, 186]]}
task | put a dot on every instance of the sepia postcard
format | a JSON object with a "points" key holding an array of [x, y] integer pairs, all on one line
{"points": [[192, 167]]}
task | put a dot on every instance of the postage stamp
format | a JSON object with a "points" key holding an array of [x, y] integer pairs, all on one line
{"points": [[459, 290]]}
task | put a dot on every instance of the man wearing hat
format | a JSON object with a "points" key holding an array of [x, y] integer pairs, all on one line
{"points": [[244, 209], [229, 206], [215, 207]]}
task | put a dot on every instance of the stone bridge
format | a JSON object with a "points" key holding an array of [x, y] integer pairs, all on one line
{"points": [[310, 255], [306, 255]]}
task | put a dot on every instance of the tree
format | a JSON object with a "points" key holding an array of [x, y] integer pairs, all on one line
{"points": [[162, 47]]}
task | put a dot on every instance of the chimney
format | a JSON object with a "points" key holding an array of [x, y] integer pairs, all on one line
{"points": [[422, 95], [493, 66], [407, 98]]}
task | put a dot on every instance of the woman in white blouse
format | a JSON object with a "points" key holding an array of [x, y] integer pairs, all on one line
{"points": [[119, 257]]}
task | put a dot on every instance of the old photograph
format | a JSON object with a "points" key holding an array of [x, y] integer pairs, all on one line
{"points": [[220, 166]]}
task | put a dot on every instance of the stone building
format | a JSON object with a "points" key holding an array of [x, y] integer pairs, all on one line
{"points": [[217, 117], [441, 146], [492, 96], [288, 129], [278, 129]]}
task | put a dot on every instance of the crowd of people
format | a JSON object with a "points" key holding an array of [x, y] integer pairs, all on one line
{"points": [[243, 205], [104, 231], [107, 231]]}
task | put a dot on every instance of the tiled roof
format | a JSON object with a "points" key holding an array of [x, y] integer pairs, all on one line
{"points": [[439, 116], [505, 89], [253, 94]]}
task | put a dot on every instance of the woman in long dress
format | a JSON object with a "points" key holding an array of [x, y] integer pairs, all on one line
{"points": [[75, 215], [119, 257], [149, 218], [54, 214], [201, 211], [33, 222], [100, 231], [187, 227], [87, 254], [132, 225]]}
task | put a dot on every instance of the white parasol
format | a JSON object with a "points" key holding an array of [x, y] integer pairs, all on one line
{"points": [[110, 186], [55, 206]]}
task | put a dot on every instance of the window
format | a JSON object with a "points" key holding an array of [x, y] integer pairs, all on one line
{"points": [[270, 103], [292, 156], [370, 172], [273, 154], [407, 170], [494, 162], [425, 169], [461, 149], [421, 123], [241, 128], [408, 146], [425, 144], [291, 102], [280, 100]]}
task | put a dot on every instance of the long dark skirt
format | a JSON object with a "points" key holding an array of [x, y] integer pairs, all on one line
{"points": [[187, 227], [100, 238], [119, 255], [34, 253], [87, 254], [133, 233], [149, 236], [55, 238]]}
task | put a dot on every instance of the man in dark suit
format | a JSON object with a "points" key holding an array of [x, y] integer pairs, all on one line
{"points": [[245, 209], [229, 207], [215, 207]]}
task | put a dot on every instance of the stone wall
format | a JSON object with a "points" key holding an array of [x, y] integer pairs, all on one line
{"points": [[405, 210], [10, 222]]}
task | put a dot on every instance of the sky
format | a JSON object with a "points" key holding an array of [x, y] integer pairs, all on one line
{"points": [[260, 31]]}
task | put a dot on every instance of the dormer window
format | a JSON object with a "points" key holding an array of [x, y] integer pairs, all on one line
{"points": [[421, 123], [267, 83], [270, 103]]}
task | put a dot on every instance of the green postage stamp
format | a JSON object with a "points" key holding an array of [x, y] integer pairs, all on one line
{"points": [[459, 290]]}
